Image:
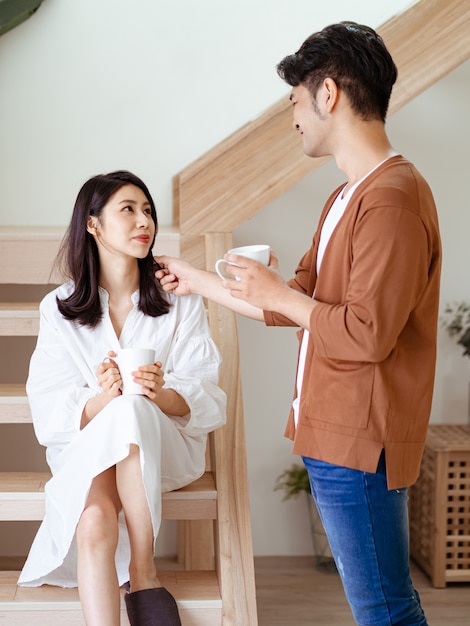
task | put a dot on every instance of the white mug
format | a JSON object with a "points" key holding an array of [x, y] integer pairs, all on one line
{"points": [[259, 252], [129, 360]]}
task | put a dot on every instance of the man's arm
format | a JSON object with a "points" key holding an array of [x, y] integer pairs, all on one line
{"points": [[181, 278], [258, 288]]}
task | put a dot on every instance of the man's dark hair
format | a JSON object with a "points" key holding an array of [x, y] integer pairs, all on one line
{"points": [[79, 260], [355, 57]]}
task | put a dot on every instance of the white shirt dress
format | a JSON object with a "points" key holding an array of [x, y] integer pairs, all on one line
{"points": [[62, 378]]}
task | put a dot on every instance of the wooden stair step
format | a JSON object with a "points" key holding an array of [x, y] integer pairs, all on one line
{"points": [[197, 595], [22, 498], [19, 318], [14, 407]]}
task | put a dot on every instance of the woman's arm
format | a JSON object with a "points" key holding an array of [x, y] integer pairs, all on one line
{"points": [[110, 381], [152, 380], [56, 387]]}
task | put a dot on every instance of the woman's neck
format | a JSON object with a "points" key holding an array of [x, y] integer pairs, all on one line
{"points": [[120, 279], [120, 282]]}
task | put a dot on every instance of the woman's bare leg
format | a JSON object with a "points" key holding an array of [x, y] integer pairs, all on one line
{"points": [[97, 537], [131, 492]]}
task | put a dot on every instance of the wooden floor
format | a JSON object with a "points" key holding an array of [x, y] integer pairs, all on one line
{"points": [[291, 592]]}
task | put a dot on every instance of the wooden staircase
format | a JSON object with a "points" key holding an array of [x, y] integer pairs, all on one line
{"points": [[196, 507], [225, 187]]}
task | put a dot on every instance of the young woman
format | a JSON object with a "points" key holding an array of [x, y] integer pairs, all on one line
{"points": [[112, 455]]}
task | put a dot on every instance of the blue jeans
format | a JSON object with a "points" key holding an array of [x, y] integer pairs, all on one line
{"points": [[367, 527]]}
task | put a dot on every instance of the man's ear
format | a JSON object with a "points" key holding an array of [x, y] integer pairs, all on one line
{"points": [[91, 225], [330, 93]]}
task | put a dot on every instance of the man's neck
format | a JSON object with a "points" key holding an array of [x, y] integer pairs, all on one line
{"points": [[364, 145]]}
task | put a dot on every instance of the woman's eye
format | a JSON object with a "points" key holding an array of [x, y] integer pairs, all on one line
{"points": [[148, 211], [128, 208]]}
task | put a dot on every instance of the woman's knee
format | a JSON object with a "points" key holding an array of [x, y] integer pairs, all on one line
{"points": [[98, 527]]}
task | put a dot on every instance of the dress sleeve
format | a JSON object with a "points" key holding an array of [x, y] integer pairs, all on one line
{"points": [[57, 391], [192, 369]]}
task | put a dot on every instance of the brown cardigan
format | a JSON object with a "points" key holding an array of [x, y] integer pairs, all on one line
{"points": [[369, 370]]}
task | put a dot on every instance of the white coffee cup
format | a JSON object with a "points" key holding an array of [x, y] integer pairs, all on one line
{"points": [[129, 360], [257, 252]]}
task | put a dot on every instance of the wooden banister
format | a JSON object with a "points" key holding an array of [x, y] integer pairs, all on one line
{"points": [[234, 549], [256, 164]]}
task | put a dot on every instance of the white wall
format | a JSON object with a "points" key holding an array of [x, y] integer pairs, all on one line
{"points": [[95, 85], [92, 85]]}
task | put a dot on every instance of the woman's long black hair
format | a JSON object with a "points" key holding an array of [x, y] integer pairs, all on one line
{"points": [[78, 256]]}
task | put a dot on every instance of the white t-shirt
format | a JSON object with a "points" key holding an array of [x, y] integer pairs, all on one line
{"points": [[335, 213]]}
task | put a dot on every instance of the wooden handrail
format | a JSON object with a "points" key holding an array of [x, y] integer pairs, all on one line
{"points": [[242, 174]]}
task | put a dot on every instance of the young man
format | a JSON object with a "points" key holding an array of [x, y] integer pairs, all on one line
{"points": [[366, 296]]}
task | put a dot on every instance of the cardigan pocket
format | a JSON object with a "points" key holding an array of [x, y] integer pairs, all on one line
{"points": [[340, 392]]}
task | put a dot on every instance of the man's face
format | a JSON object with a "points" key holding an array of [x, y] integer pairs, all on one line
{"points": [[309, 121]]}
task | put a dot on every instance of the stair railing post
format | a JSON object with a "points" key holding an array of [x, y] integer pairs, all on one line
{"points": [[234, 544]]}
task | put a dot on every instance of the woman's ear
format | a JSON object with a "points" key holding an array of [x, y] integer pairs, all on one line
{"points": [[91, 225]]}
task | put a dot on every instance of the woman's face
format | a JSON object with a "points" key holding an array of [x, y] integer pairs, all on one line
{"points": [[125, 227]]}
